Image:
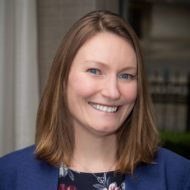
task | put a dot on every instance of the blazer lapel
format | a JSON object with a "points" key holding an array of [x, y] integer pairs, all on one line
{"points": [[41, 177]]}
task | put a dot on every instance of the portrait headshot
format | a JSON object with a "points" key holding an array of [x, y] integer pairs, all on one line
{"points": [[95, 126]]}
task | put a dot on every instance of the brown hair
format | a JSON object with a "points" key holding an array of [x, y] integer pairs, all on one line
{"points": [[137, 137]]}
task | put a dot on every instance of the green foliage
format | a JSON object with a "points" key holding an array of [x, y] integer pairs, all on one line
{"points": [[177, 142]]}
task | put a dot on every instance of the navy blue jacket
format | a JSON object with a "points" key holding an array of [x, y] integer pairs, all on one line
{"points": [[20, 170]]}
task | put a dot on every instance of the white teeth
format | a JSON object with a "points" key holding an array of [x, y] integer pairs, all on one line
{"points": [[109, 109]]}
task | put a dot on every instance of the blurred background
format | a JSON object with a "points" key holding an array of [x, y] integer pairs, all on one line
{"points": [[30, 33]]}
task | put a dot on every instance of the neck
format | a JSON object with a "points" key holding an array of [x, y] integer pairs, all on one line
{"points": [[94, 153]]}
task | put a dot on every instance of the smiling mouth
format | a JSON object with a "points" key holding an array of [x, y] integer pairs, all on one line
{"points": [[103, 108]]}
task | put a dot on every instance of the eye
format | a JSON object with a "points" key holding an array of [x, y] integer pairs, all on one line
{"points": [[126, 76], [94, 71]]}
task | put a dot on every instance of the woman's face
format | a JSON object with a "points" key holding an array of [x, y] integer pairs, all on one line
{"points": [[102, 84]]}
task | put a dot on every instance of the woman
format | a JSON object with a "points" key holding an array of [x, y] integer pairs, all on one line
{"points": [[95, 128]]}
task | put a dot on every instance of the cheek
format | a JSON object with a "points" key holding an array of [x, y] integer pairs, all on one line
{"points": [[80, 86], [129, 92]]}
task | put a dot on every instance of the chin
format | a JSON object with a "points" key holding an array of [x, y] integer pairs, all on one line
{"points": [[105, 131]]}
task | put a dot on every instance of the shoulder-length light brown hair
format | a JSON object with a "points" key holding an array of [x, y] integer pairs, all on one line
{"points": [[137, 137]]}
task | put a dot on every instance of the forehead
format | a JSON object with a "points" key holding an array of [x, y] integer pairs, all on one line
{"points": [[108, 48]]}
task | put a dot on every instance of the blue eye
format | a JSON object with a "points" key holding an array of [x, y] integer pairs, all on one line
{"points": [[94, 71], [126, 76]]}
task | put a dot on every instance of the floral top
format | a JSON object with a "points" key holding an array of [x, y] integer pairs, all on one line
{"points": [[73, 180]]}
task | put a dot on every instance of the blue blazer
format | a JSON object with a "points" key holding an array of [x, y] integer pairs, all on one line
{"points": [[20, 170]]}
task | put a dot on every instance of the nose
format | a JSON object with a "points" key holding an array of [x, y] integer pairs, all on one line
{"points": [[110, 89]]}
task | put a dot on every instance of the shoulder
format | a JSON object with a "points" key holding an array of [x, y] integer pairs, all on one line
{"points": [[21, 160], [172, 160], [17, 158], [21, 170], [174, 168], [19, 153], [17, 163], [167, 155], [168, 171], [14, 168]]}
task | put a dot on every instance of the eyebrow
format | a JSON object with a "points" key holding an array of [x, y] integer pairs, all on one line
{"points": [[96, 62], [105, 65], [132, 68]]}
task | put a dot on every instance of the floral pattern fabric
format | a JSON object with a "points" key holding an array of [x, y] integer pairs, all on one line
{"points": [[72, 180]]}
